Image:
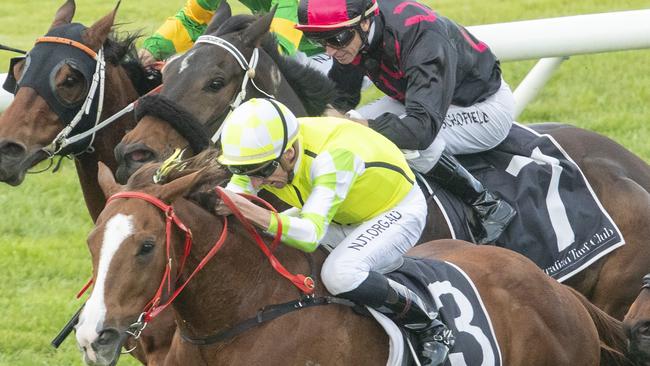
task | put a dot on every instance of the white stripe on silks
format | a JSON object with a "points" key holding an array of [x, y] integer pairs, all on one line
{"points": [[319, 201], [118, 228]]}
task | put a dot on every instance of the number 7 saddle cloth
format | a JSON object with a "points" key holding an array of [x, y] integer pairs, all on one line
{"points": [[560, 223]]}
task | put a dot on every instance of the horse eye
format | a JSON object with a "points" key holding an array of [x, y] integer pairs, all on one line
{"points": [[70, 81], [215, 85], [146, 248]]}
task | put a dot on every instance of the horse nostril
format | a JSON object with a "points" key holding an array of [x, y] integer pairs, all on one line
{"points": [[12, 149], [107, 337], [140, 156]]}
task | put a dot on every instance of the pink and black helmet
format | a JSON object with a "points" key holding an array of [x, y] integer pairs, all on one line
{"points": [[329, 16]]}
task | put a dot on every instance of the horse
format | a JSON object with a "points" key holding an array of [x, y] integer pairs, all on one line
{"points": [[30, 124], [209, 79], [637, 325], [620, 179], [140, 258]]}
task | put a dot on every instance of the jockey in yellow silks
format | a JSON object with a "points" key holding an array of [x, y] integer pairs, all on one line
{"points": [[352, 192], [179, 32]]}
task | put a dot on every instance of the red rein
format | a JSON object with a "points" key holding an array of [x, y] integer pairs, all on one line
{"points": [[153, 308]]}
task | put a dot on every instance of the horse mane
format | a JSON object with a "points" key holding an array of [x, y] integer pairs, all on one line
{"points": [[314, 89], [120, 50], [212, 173]]}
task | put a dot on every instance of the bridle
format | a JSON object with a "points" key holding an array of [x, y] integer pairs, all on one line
{"points": [[98, 83], [249, 74], [156, 305]]}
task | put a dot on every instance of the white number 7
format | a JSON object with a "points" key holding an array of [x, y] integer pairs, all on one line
{"points": [[554, 205]]}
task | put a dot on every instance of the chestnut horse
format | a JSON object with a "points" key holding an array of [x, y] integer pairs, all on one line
{"points": [[30, 124], [637, 325], [138, 251], [205, 83]]}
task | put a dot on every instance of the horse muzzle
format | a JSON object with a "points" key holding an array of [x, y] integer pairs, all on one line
{"points": [[130, 157], [639, 342], [15, 160], [105, 349]]}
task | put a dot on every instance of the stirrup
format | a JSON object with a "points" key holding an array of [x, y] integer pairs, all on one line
{"points": [[435, 344]]}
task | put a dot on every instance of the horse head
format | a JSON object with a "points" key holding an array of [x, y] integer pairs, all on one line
{"points": [[202, 85], [129, 255], [54, 83], [637, 325]]}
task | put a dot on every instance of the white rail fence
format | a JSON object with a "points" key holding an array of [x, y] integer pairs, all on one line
{"points": [[551, 40]]}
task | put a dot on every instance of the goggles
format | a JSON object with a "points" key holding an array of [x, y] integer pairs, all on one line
{"points": [[261, 170], [339, 40]]}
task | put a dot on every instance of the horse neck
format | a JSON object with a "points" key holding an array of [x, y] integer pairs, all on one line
{"points": [[236, 283], [119, 92], [272, 81]]}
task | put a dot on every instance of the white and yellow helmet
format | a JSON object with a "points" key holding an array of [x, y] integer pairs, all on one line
{"points": [[259, 130]]}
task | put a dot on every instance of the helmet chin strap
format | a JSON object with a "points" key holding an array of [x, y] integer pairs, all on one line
{"points": [[365, 36]]}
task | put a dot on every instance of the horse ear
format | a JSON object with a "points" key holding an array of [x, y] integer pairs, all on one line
{"points": [[220, 16], [256, 31], [178, 187], [106, 180], [64, 14], [96, 35]]}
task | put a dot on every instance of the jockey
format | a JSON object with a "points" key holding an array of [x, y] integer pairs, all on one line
{"points": [[444, 91], [357, 200], [179, 32]]}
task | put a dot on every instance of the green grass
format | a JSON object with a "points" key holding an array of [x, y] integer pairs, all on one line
{"points": [[44, 223]]}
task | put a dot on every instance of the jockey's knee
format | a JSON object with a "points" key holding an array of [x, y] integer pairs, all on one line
{"points": [[342, 276]]}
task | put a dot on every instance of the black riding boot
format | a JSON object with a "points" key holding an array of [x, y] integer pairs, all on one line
{"points": [[407, 309], [494, 214]]}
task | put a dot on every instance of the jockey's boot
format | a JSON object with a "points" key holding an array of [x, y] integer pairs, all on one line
{"points": [[433, 335], [494, 214], [407, 309]]}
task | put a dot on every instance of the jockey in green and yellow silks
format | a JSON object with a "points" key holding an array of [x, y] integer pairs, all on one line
{"points": [[179, 32], [352, 192]]}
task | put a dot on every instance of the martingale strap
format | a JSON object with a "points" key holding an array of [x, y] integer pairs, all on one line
{"points": [[266, 314]]}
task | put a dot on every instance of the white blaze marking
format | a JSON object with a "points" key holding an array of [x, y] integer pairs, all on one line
{"points": [[118, 228], [186, 62]]}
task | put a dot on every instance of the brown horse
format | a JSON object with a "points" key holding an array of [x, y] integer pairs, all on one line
{"points": [[130, 257], [637, 325], [205, 81], [30, 123]]}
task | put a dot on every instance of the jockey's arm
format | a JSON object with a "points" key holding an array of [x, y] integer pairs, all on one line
{"points": [[329, 189], [430, 68], [178, 33]]}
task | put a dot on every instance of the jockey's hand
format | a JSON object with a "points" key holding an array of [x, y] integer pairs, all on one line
{"points": [[222, 209], [146, 58], [353, 115]]}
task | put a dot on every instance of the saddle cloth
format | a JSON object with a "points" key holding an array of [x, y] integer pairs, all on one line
{"points": [[460, 307], [560, 223]]}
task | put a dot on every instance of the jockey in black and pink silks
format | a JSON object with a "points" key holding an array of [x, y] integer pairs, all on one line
{"points": [[444, 90]]}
